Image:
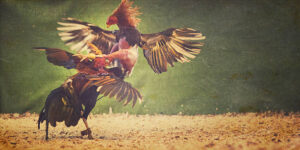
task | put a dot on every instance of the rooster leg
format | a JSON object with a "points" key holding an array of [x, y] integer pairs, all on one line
{"points": [[47, 127], [90, 97], [88, 130]]}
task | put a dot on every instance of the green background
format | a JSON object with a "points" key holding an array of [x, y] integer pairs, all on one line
{"points": [[250, 61]]}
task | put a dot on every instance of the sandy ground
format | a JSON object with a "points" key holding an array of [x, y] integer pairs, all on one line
{"points": [[123, 131]]}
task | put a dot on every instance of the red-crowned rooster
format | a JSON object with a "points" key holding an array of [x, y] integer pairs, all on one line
{"points": [[119, 47], [160, 49]]}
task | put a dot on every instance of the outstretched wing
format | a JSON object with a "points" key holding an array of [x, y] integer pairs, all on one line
{"points": [[169, 46], [113, 87], [59, 57], [78, 34]]}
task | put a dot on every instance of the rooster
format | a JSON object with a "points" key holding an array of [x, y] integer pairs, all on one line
{"points": [[160, 49], [104, 73], [93, 78]]}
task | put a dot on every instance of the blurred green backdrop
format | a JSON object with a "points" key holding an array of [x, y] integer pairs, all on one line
{"points": [[250, 61]]}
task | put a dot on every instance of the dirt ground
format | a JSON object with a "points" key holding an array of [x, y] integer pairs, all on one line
{"points": [[122, 131]]}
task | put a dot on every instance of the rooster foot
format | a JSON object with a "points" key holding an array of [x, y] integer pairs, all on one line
{"points": [[90, 137], [87, 132]]}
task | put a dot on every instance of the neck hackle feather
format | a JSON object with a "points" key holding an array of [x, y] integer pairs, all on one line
{"points": [[126, 14]]}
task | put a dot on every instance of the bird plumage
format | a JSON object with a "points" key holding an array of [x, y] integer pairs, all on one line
{"points": [[82, 89], [126, 14], [77, 34], [160, 49], [117, 49], [169, 46]]}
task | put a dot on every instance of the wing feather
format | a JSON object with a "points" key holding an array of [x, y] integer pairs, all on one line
{"points": [[112, 86], [135, 97], [169, 46], [77, 34], [59, 57], [125, 94], [129, 98], [115, 90], [119, 96]]}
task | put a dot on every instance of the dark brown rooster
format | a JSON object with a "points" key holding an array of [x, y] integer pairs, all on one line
{"points": [[93, 78]]}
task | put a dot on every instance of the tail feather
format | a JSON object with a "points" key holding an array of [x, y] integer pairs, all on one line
{"points": [[42, 117], [62, 105]]}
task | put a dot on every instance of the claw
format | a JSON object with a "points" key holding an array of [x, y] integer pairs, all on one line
{"points": [[91, 56], [94, 48], [90, 136], [83, 57], [84, 132], [87, 132]]}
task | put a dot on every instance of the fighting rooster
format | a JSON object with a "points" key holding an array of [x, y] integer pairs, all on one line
{"points": [[82, 89], [119, 50], [160, 49]]}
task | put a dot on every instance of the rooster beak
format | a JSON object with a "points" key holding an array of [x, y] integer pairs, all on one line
{"points": [[108, 25]]}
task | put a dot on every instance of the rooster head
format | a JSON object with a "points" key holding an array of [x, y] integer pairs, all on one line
{"points": [[124, 15], [111, 21]]}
